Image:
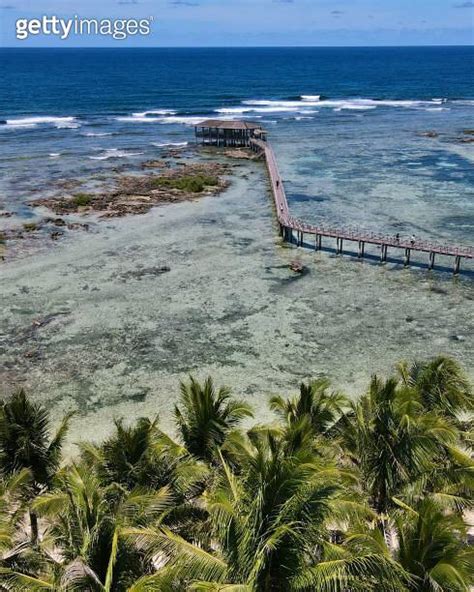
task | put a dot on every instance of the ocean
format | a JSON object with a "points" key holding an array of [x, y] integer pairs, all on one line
{"points": [[374, 138], [347, 123]]}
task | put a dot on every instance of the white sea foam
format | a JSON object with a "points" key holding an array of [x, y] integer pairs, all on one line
{"points": [[137, 119], [54, 154], [464, 102], [96, 134], [276, 106], [33, 121], [67, 125], [355, 107], [115, 153], [266, 109], [164, 144], [18, 125], [185, 119], [283, 104], [155, 112]]}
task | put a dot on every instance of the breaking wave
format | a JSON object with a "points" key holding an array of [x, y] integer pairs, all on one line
{"points": [[115, 153], [59, 122], [186, 120], [97, 134], [164, 144], [307, 101]]}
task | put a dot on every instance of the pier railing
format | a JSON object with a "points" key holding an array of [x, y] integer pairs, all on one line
{"points": [[294, 230]]}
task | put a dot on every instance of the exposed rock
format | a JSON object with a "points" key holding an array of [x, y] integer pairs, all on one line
{"points": [[428, 134], [135, 194], [139, 273], [158, 164], [68, 183], [244, 153], [77, 225], [296, 266], [55, 221]]}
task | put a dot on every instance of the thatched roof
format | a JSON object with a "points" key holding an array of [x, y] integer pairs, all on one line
{"points": [[226, 124]]}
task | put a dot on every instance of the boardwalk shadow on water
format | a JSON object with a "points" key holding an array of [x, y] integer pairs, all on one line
{"points": [[374, 259]]}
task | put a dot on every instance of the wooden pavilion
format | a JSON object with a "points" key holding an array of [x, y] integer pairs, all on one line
{"points": [[219, 132]]}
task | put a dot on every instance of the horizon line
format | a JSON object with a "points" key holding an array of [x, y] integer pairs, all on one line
{"points": [[241, 46]]}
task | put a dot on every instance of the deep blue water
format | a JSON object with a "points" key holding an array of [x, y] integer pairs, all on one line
{"points": [[348, 124], [85, 81]]}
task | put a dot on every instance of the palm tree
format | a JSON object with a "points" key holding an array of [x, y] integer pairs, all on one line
{"points": [[273, 523], [25, 443], [337, 497], [322, 407], [433, 549], [206, 416], [442, 384], [392, 441], [142, 456], [86, 523], [14, 492]]}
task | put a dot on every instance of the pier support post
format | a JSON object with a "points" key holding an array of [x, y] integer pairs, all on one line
{"points": [[432, 260], [383, 253], [339, 245], [457, 264], [361, 249], [407, 257]]}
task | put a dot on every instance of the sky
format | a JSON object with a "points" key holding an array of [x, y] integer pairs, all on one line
{"points": [[195, 23]]}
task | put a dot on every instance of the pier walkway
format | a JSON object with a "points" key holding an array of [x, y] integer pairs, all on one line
{"points": [[294, 230]]}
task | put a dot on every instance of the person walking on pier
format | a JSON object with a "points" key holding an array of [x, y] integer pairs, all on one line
{"points": [[412, 240]]}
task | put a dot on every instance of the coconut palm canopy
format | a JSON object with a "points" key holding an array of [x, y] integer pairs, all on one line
{"points": [[334, 495]]}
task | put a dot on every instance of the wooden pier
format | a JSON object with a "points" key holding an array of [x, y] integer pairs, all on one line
{"points": [[295, 231]]}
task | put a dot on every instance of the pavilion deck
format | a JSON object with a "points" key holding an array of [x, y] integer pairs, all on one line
{"points": [[218, 132]]}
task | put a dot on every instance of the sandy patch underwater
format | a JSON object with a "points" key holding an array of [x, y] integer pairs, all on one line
{"points": [[124, 335]]}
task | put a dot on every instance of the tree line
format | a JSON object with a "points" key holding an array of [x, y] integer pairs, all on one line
{"points": [[333, 495]]}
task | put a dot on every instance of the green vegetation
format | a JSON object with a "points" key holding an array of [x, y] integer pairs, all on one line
{"points": [[30, 226], [333, 496], [190, 183], [82, 199]]}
